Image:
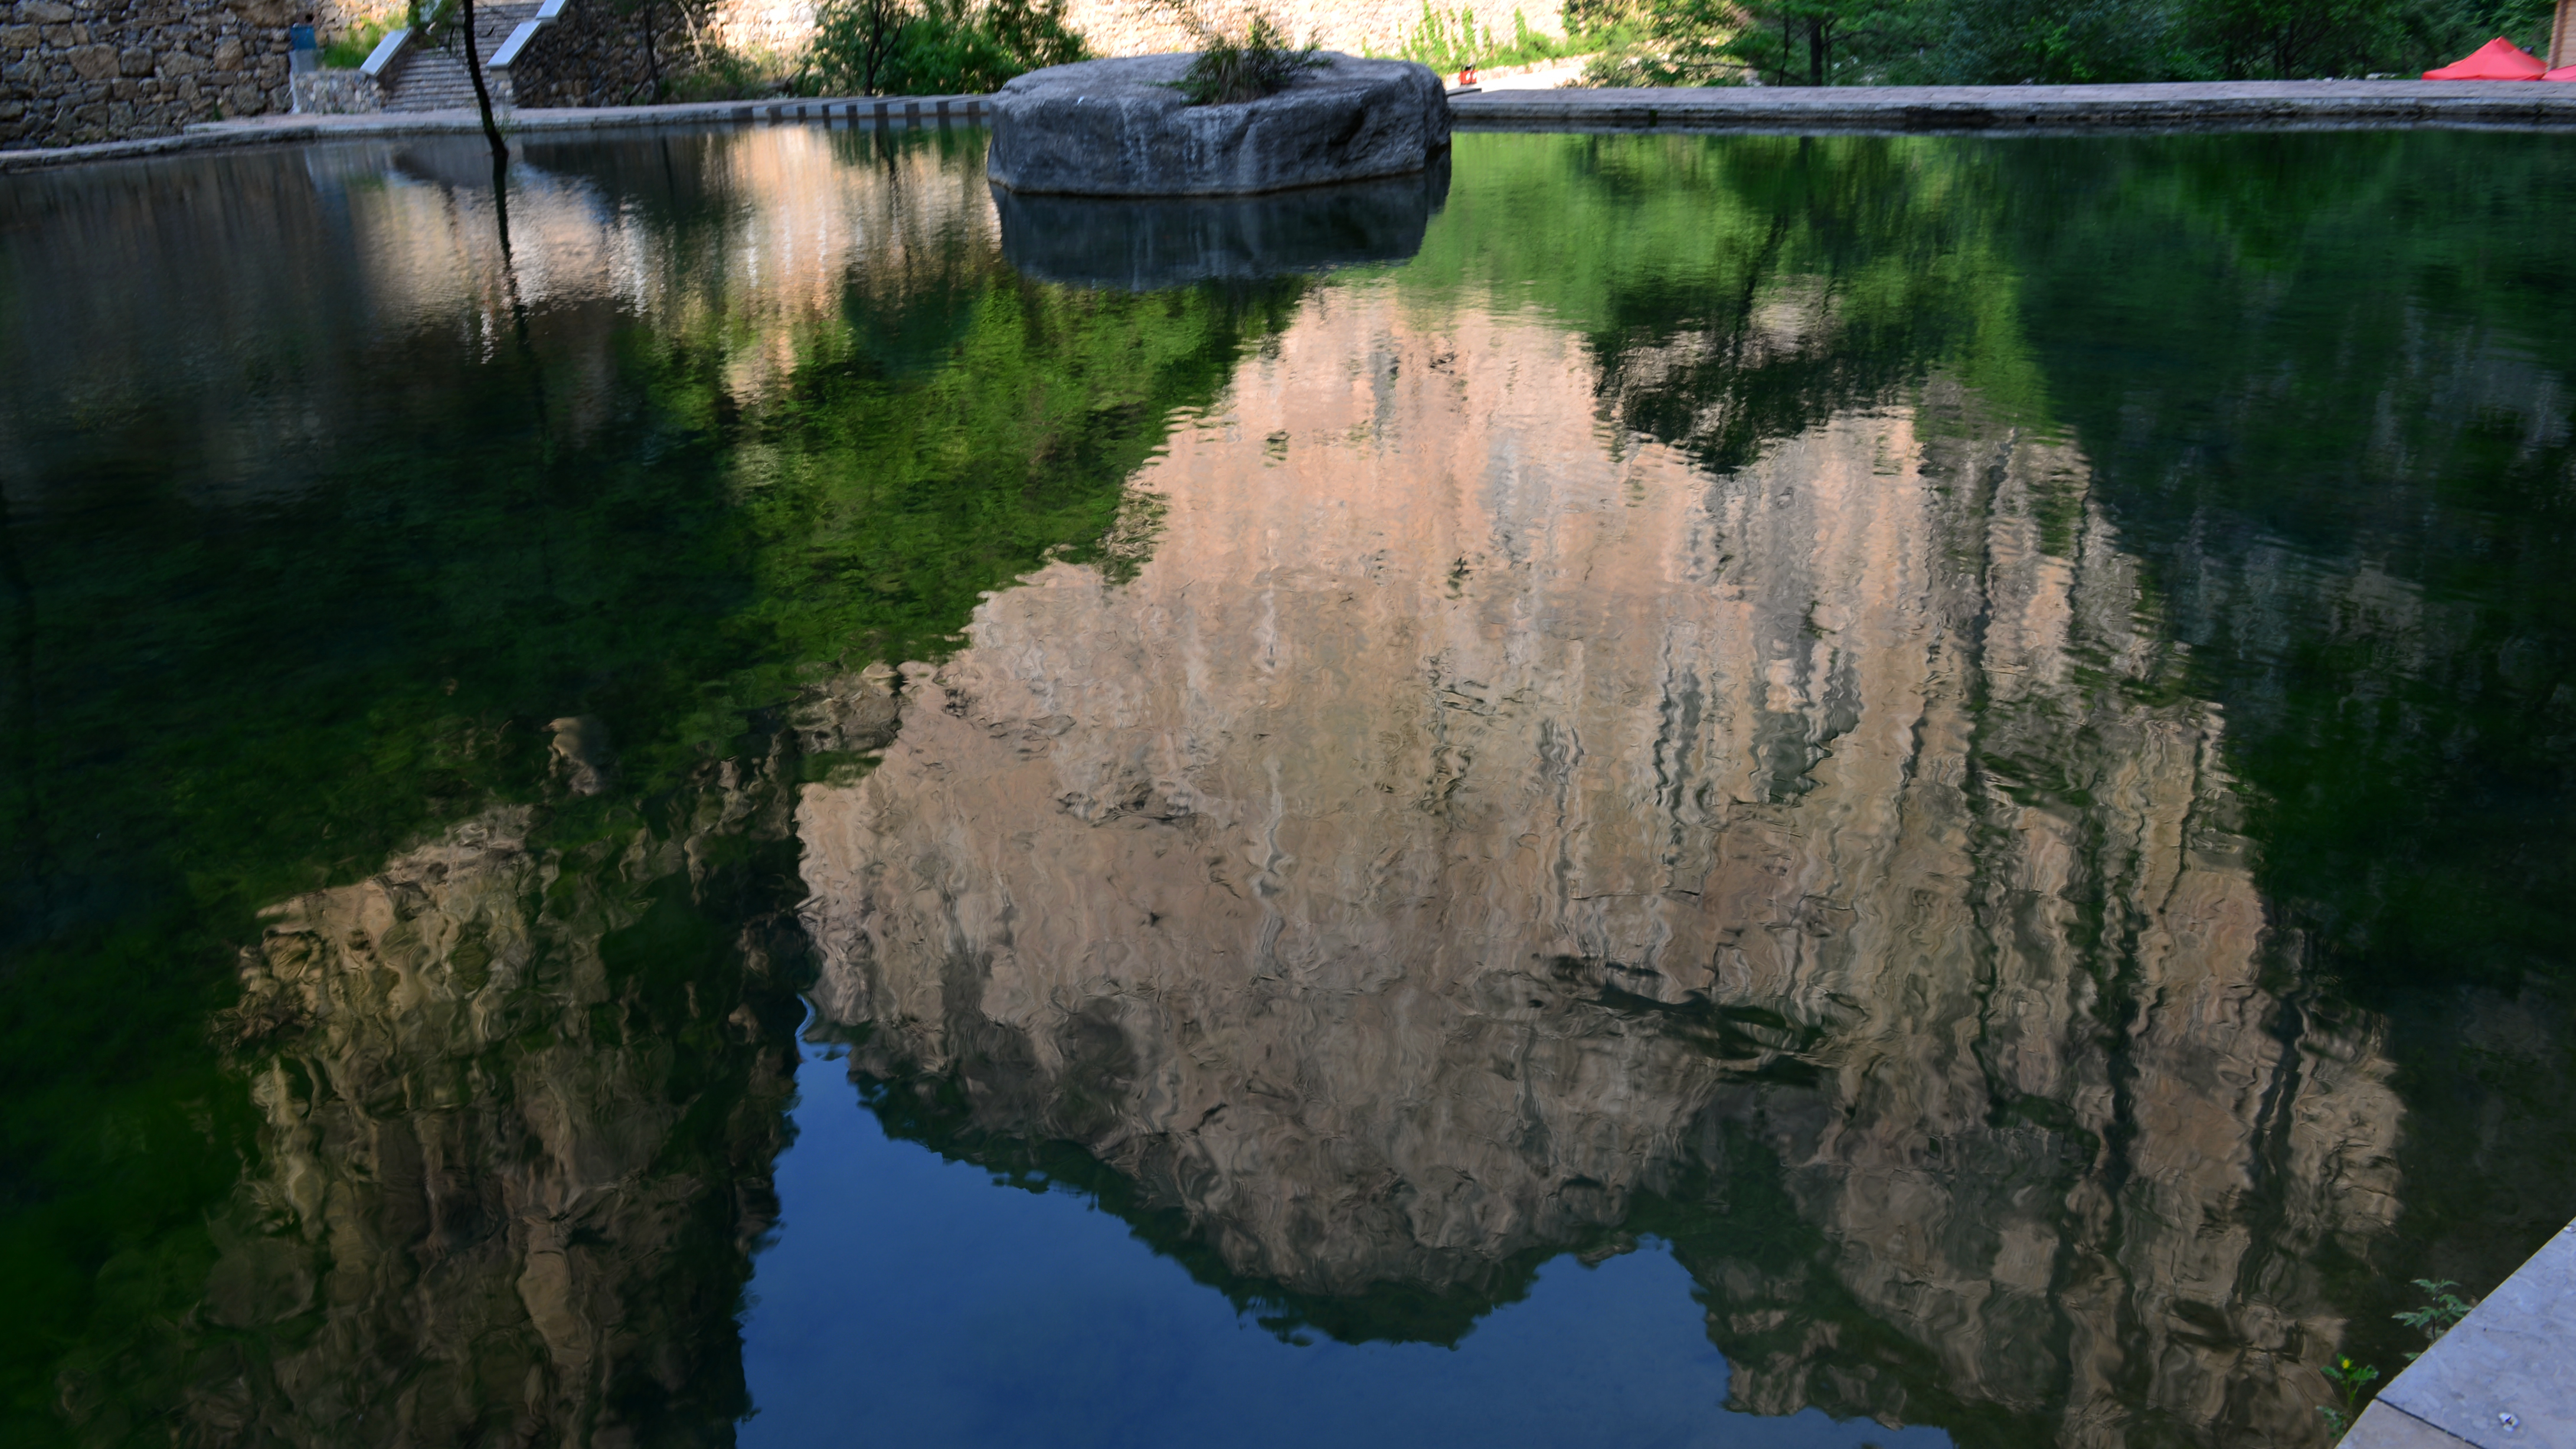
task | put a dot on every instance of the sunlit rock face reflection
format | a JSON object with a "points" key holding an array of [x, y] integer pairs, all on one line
{"points": [[1471, 820], [520, 1108]]}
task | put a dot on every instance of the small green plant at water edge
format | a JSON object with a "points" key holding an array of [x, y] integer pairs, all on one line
{"points": [[2442, 1312], [2349, 1379], [1229, 71]]}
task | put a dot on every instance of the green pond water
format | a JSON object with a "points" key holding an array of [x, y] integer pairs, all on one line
{"points": [[1657, 789]]}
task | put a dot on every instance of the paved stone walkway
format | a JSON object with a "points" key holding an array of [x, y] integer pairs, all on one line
{"points": [[2232, 105]]}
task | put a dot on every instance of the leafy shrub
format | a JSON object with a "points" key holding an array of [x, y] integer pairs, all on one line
{"points": [[937, 47], [715, 73], [349, 49], [1449, 43], [2004, 42]]}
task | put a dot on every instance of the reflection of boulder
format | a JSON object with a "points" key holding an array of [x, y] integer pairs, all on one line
{"points": [[1458, 832], [1141, 244], [520, 1109]]}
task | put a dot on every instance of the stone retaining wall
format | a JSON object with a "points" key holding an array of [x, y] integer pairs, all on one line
{"points": [[337, 93], [763, 27], [593, 56], [109, 70]]}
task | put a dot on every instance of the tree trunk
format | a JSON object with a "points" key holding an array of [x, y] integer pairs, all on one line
{"points": [[483, 94], [652, 63], [1816, 49]]}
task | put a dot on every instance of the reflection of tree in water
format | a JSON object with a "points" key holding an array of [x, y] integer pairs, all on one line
{"points": [[1395, 883], [2337, 428], [2321, 383]]}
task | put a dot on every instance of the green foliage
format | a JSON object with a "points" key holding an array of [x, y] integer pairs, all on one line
{"points": [[2085, 42], [717, 73], [433, 22], [2441, 1311], [350, 48], [1674, 246], [2348, 1379], [2004, 42], [1231, 68], [1805, 42], [1675, 43], [1450, 43], [936, 47]]}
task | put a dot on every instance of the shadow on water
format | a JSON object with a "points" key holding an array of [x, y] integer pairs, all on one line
{"points": [[1983, 773]]}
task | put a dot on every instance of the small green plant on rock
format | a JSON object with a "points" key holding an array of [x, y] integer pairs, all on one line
{"points": [[1235, 67]]}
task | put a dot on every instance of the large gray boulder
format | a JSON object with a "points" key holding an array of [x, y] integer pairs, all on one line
{"points": [[1118, 128]]}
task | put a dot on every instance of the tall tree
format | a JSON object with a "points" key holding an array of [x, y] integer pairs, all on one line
{"points": [[483, 94], [859, 37], [1797, 42], [431, 21]]}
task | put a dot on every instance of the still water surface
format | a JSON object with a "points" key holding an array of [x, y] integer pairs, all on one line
{"points": [[1660, 790]]}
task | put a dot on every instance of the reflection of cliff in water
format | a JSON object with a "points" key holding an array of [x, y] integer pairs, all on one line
{"points": [[521, 1105], [1460, 840]]}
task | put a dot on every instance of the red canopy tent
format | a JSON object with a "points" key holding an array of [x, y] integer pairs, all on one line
{"points": [[2563, 73], [2498, 59]]}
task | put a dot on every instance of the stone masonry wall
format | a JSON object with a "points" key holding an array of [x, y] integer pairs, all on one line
{"points": [[109, 70], [594, 56], [762, 27]]}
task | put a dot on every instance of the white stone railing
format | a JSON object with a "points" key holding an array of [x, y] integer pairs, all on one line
{"points": [[373, 67], [510, 49]]}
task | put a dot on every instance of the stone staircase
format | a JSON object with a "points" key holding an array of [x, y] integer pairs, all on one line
{"points": [[433, 78]]}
